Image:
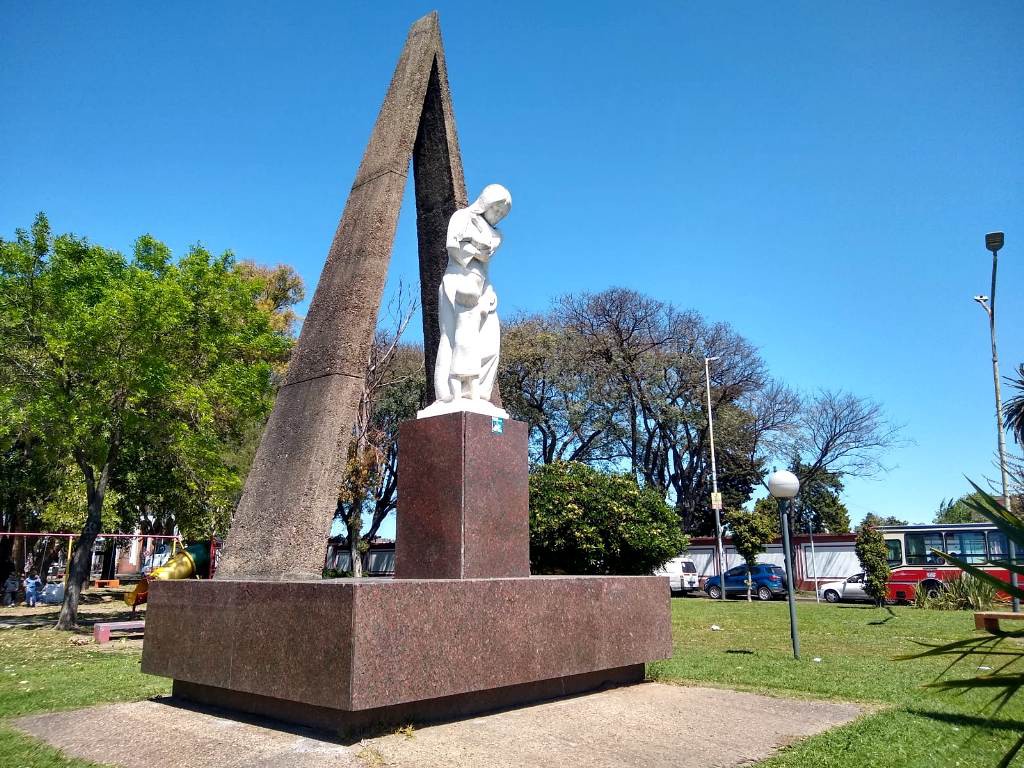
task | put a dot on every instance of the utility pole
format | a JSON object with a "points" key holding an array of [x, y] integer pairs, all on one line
{"points": [[994, 242], [716, 497]]}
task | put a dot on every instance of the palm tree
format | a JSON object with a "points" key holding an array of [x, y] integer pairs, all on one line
{"points": [[1013, 412]]}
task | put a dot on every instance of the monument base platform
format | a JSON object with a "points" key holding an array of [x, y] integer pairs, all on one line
{"points": [[430, 710], [347, 655]]}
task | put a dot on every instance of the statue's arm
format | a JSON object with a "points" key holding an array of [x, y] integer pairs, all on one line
{"points": [[470, 234]]}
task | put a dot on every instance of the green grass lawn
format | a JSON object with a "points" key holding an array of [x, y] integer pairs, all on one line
{"points": [[42, 670], [911, 727]]}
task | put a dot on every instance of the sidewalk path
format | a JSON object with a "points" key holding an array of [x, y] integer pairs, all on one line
{"points": [[649, 726]]}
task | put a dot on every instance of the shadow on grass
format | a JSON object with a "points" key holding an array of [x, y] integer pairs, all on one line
{"points": [[48, 619], [886, 620], [973, 721], [30, 621]]}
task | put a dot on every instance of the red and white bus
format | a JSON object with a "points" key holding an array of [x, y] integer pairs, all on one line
{"points": [[916, 567]]}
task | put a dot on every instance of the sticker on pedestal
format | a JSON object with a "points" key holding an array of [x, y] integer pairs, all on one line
{"points": [[497, 425]]}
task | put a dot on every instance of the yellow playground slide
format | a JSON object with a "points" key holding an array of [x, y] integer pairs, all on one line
{"points": [[189, 563]]}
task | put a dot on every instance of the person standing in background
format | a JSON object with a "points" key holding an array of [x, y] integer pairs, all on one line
{"points": [[33, 586]]}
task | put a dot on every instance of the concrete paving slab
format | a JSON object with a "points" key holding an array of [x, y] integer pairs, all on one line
{"points": [[649, 726]]}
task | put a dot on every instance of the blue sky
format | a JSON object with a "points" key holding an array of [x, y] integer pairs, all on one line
{"points": [[819, 175]]}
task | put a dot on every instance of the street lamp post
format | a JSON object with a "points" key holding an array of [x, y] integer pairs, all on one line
{"points": [[716, 498], [994, 242], [784, 485]]}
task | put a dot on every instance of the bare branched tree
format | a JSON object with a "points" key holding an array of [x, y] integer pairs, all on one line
{"points": [[370, 466], [842, 434], [618, 378]]}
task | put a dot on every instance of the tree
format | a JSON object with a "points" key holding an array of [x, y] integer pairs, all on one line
{"points": [[960, 510], [548, 380], [649, 358], [832, 435], [586, 521], [393, 386], [617, 379], [871, 520], [280, 289], [817, 507], [1013, 410], [874, 559], [104, 359], [751, 533]]}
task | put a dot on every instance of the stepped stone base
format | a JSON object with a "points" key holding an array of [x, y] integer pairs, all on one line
{"points": [[347, 654]]}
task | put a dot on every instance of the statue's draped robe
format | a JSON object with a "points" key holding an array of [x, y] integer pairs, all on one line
{"points": [[471, 243]]}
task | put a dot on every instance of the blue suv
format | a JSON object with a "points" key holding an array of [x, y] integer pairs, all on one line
{"points": [[769, 582]]}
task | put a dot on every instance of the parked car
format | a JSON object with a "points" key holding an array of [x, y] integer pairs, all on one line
{"points": [[682, 575], [846, 589], [769, 582]]}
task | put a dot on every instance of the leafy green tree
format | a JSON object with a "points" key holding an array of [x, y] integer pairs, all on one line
{"points": [[751, 533], [105, 359], [817, 507], [586, 521], [871, 520], [958, 510], [874, 559], [548, 379]]}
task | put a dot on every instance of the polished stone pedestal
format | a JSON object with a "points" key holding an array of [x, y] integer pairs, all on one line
{"points": [[347, 654], [463, 487]]}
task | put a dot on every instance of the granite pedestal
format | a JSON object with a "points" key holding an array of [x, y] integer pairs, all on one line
{"points": [[346, 654], [349, 654], [464, 491]]}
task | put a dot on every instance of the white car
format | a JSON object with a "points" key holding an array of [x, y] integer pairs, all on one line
{"points": [[682, 575], [847, 589]]}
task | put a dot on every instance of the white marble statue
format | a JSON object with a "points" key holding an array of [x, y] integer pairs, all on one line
{"points": [[467, 356]]}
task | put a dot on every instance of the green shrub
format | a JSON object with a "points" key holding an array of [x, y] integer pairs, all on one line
{"points": [[963, 593], [590, 522], [874, 559], [334, 573]]}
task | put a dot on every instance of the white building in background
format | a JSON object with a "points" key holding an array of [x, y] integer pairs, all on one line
{"points": [[834, 557]]}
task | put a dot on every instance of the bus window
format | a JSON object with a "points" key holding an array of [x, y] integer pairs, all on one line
{"points": [[919, 548], [969, 546], [895, 552], [997, 548]]}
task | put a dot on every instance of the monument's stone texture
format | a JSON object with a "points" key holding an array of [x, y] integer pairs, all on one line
{"points": [[349, 645], [275, 533], [465, 498]]}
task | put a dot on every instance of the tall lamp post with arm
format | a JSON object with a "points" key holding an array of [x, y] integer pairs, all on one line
{"points": [[716, 497], [994, 242]]}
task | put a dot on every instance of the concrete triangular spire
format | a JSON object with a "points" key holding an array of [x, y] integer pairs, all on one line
{"points": [[282, 520]]}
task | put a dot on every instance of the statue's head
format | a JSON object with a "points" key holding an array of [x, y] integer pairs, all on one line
{"points": [[493, 204]]}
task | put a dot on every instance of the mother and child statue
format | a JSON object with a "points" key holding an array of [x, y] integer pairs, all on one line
{"points": [[467, 355]]}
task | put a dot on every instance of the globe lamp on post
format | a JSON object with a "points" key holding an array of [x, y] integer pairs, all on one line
{"points": [[784, 485]]}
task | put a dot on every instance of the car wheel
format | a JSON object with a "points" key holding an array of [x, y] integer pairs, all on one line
{"points": [[715, 592], [831, 596], [763, 593]]}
